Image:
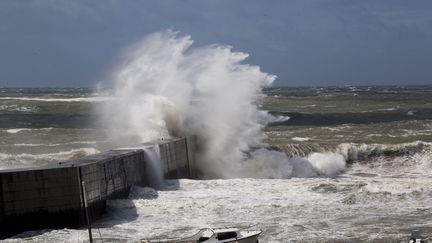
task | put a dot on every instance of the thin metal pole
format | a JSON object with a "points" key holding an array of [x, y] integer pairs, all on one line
{"points": [[86, 211]]}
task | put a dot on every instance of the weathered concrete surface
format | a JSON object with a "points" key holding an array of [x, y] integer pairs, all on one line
{"points": [[45, 197], [109, 175], [51, 196], [191, 148]]}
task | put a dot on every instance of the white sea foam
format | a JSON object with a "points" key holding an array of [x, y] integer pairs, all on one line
{"points": [[35, 145], [49, 144], [328, 164], [338, 128], [308, 106], [317, 164], [301, 210], [300, 139], [17, 130], [389, 109], [16, 108]]}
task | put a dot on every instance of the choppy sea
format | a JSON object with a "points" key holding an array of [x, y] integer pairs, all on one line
{"points": [[383, 195]]}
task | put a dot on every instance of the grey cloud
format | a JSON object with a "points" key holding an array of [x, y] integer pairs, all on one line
{"points": [[314, 42]]}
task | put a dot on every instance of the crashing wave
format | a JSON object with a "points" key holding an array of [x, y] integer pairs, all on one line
{"points": [[354, 152], [359, 152]]}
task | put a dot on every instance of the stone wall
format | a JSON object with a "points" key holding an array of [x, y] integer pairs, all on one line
{"points": [[51, 196]]}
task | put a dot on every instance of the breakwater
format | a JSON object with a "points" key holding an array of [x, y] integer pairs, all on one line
{"points": [[52, 196]]}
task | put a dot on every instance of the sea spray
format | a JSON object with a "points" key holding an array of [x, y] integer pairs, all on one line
{"points": [[164, 88], [328, 164], [264, 163]]}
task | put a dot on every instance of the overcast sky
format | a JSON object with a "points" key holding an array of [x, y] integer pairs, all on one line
{"points": [[306, 42]]}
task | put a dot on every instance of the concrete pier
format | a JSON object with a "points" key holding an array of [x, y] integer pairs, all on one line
{"points": [[51, 196]]}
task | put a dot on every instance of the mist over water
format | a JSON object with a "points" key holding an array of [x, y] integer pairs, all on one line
{"points": [[165, 87]]}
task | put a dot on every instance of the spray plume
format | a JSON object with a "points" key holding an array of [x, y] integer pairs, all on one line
{"points": [[165, 88]]}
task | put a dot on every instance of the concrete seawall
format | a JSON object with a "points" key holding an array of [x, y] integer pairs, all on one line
{"points": [[51, 196]]}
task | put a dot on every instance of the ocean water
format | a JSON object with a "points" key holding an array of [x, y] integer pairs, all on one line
{"points": [[42, 126], [382, 194]]}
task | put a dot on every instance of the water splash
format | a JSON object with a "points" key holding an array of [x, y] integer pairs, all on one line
{"points": [[164, 87], [154, 169]]}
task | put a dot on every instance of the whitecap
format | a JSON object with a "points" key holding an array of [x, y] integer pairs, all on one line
{"points": [[301, 139], [389, 109], [18, 108], [17, 130]]}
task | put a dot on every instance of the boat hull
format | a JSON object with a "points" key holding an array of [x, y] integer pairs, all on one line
{"points": [[252, 239], [218, 237]]}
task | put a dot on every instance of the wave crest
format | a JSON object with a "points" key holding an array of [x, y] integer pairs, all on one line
{"points": [[359, 152]]}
